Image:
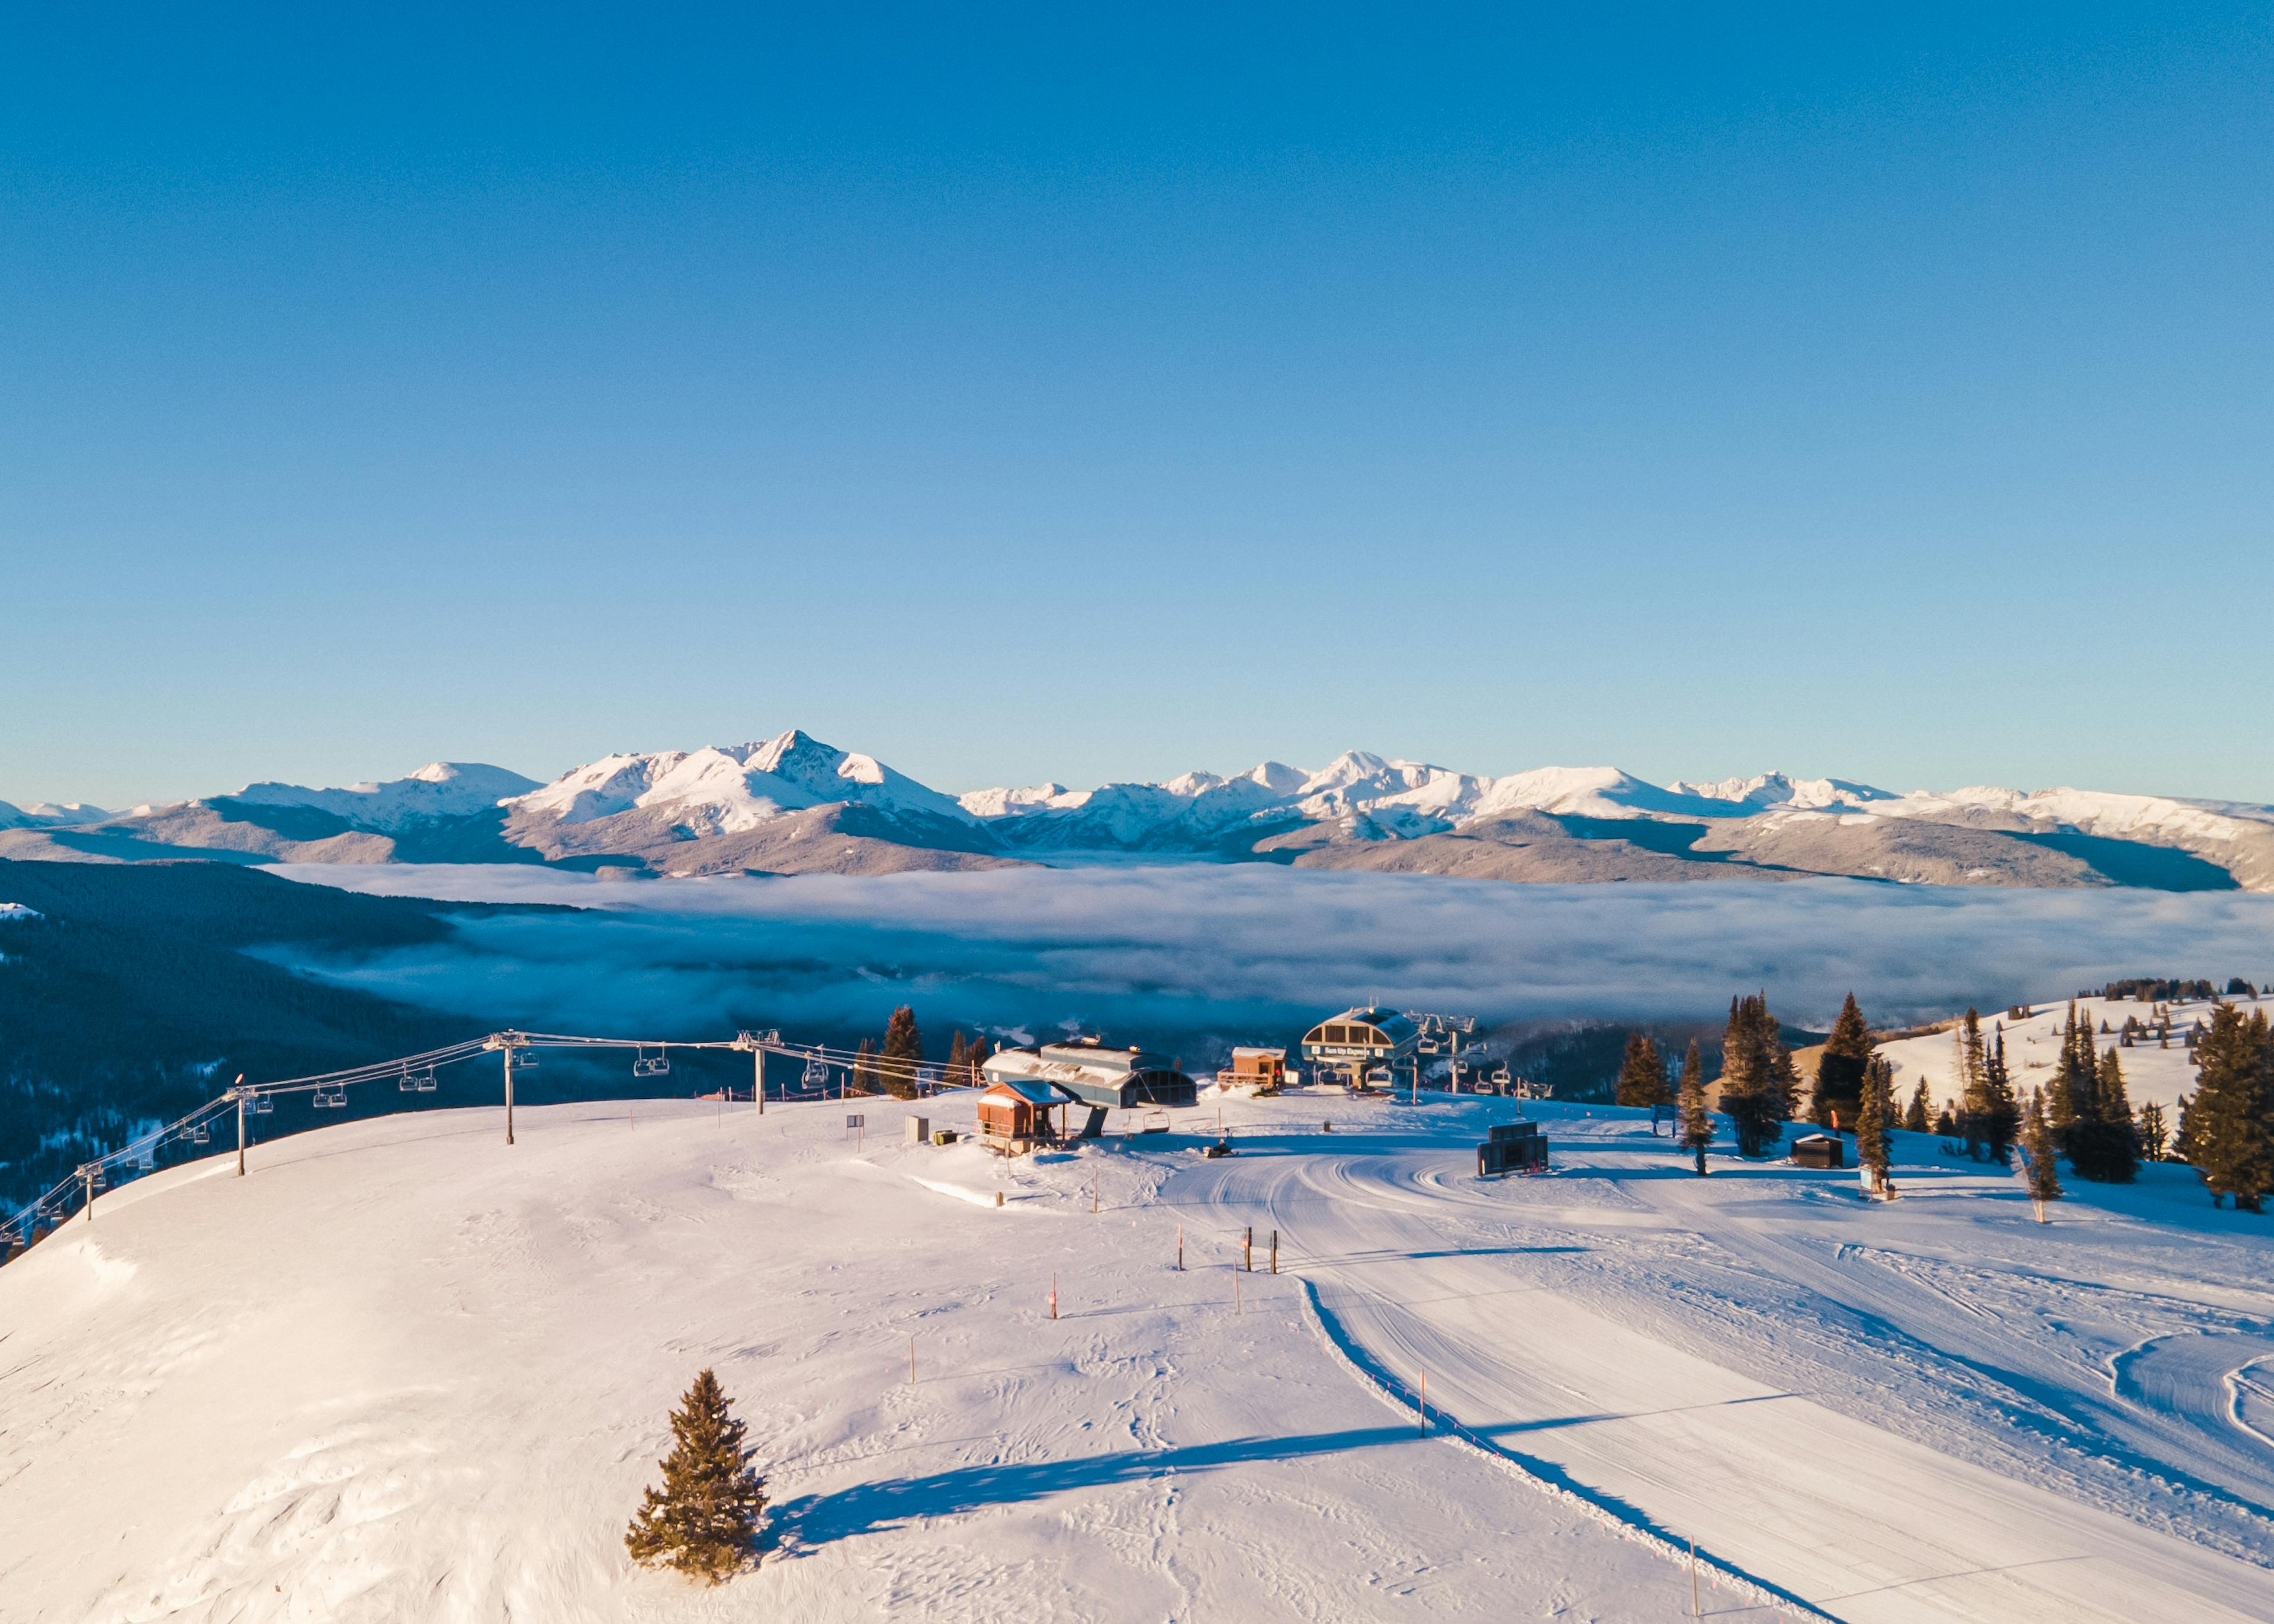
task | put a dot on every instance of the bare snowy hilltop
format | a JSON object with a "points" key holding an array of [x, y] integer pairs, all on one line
{"points": [[793, 805]]}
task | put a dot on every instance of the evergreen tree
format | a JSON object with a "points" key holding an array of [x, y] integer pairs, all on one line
{"points": [[2069, 1094], [1750, 1085], [1696, 1120], [1642, 1073], [1946, 1123], [1975, 1104], [2003, 1123], [704, 1519], [2102, 1145], [2153, 1131], [1874, 1112], [863, 1079], [959, 1062], [2224, 1121], [1839, 1070], [2037, 1149], [1919, 1113], [902, 1053]]}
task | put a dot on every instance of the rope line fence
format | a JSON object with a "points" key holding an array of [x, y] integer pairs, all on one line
{"points": [[853, 1070]]}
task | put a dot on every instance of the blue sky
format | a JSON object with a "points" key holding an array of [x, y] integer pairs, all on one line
{"points": [[1021, 395]]}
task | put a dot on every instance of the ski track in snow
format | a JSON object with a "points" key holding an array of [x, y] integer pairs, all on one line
{"points": [[400, 1371]]}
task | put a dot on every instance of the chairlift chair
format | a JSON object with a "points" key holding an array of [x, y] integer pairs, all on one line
{"points": [[522, 1058], [645, 1065], [422, 1081], [1500, 1074], [201, 1133], [323, 1097], [264, 1105], [1427, 1046], [816, 1072], [1379, 1077], [97, 1179]]}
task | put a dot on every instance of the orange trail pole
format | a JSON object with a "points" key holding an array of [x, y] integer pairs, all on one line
{"points": [[1180, 1249], [1054, 1296]]}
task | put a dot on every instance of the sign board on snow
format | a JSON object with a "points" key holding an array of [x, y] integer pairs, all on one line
{"points": [[854, 1119]]}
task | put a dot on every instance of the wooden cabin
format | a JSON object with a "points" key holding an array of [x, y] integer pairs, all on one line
{"points": [[1014, 1115], [1261, 1069]]}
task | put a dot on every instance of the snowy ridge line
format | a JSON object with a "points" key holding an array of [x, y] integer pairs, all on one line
{"points": [[24, 1223], [1629, 1524]]}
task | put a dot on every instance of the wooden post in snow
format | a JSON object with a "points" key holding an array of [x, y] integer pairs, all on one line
{"points": [[1180, 1249], [1275, 1252], [509, 1093], [1054, 1296], [1247, 1252], [758, 1078]]}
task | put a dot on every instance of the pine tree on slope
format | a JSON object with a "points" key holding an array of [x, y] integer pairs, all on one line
{"points": [[863, 1079], [704, 1519], [2037, 1147], [902, 1055], [1919, 1113], [1975, 1105], [1873, 1111], [1642, 1073], [959, 1061], [2101, 1143], [1839, 1069], [2003, 1124], [2072, 1080], [2224, 1121], [2153, 1133], [1748, 1087], [1696, 1121]]}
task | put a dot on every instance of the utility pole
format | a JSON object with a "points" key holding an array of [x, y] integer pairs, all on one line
{"points": [[239, 1093], [1247, 1250], [87, 1178], [508, 1091], [758, 1077]]}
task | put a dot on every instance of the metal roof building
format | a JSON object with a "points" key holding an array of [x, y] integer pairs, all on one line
{"points": [[1351, 1043], [1118, 1078]]}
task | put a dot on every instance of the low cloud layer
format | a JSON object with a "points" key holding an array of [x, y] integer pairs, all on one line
{"points": [[1198, 952]]}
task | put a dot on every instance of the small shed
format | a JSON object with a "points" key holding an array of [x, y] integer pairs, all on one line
{"points": [[1014, 1115], [1820, 1150]]}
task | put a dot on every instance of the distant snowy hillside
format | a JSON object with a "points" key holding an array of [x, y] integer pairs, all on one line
{"points": [[438, 790], [793, 805]]}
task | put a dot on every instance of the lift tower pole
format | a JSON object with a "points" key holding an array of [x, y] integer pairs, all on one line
{"points": [[240, 1128], [508, 1047]]}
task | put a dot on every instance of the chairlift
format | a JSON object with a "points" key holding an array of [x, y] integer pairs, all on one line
{"points": [[201, 1133], [522, 1058], [264, 1105], [421, 1081], [1379, 1077], [336, 1095], [645, 1065], [816, 1072], [97, 1179], [1500, 1074], [1427, 1046]]}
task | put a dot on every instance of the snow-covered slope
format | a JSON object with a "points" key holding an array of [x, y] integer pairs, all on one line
{"points": [[47, 814], [403, 1371]]}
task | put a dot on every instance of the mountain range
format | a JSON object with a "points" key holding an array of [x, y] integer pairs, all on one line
{"points": [[793, 805]]}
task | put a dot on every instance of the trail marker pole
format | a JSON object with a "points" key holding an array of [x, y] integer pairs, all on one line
{"points": [[1180, 1249], [1247, 1252], [1054, 1296], [1275, 1252], [759, 1079], [509, 1093]]}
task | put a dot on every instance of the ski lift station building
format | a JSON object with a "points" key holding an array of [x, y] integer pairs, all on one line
{"points": [[1348, 1045], [1094, 1074]]}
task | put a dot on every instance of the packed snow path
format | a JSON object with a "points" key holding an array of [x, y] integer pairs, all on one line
{"points": [[1531, 1308], [403, 1372]]}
